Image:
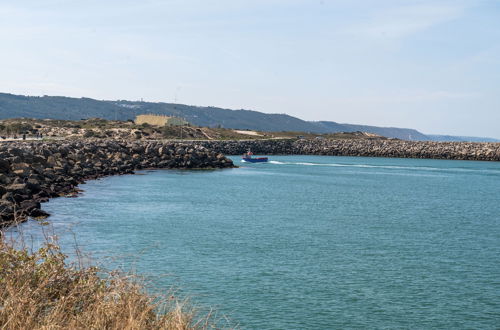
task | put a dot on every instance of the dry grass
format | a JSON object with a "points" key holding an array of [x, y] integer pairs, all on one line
{"points": [[38, 290]]}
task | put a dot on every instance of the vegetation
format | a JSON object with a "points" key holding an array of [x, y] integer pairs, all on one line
{"points": [[16, 128], [89, 134], [115, 129], [40, 291], [16, 106]]}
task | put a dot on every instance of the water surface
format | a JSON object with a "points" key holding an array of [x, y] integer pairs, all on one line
{"points": [[306, 241]]}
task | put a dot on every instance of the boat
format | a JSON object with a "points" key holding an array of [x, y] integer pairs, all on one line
{"points": [[247, 157]]}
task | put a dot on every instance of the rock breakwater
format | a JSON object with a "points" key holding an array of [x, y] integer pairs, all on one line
{"points": [[362, 147], [31, 173]]}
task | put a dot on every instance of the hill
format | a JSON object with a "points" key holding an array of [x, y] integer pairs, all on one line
{"points": [[57, 107], [67, 108], [394, 132]]}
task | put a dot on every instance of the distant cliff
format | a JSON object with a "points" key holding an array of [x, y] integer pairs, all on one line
{"points": [[58, 107]]}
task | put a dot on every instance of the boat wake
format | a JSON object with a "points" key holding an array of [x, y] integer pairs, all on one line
{"points": [[391, 167]]}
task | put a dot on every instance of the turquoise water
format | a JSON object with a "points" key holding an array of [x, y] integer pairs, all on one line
{"points": [[306, 241]]}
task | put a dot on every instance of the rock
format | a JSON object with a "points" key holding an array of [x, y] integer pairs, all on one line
{"points": [[33, 186], [6, 207], [29, 205], [20, 166], [15, 152], [38, 213], [18, 198], [8, 196], [4, 179], [39, 160], [17, 188], [16, 159], [51, 161], [4, 166]]}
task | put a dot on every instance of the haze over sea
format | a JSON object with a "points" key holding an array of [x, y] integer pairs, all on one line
{"points": [[305, 241]]}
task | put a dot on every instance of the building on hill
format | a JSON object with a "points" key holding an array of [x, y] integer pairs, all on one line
{"points": [[160, 120]]}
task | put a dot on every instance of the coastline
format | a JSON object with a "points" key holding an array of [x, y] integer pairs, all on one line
{"points": [[33, 172], [149, 153], [307, 211]]}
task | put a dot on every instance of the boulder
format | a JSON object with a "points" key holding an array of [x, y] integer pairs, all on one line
{"points": [[8, 196], [4, 166], [29, 205], [6, 207], [18, 188], [38, 213], [4, 179]]}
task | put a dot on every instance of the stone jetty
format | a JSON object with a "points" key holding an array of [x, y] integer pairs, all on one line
{"points": [[31, 173], [361, 147]]}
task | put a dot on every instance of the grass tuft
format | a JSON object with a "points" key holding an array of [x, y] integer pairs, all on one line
{"points": [[39, 290]]}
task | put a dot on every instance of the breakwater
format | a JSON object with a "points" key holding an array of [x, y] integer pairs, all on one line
{"points": [[31, 173], [361, 147]]}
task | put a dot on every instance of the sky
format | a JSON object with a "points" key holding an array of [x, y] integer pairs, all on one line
{"points": [[431, 65]]}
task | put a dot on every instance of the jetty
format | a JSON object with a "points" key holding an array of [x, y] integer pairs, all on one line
{"points": [[33, 172]]}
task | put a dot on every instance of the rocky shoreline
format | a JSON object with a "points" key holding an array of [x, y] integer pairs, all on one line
{"points": [[364, 147], [33, 172]]}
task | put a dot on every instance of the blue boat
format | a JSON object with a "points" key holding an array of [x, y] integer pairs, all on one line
{"points": [[247, 157]]}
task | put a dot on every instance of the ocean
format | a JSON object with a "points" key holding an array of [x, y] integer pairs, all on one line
{"points": [[303, 242]]}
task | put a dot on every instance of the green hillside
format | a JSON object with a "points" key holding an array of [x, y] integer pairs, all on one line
{"points": [[67, 108]]}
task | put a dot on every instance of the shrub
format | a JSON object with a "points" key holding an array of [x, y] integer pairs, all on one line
{"points": [[89, 133]]}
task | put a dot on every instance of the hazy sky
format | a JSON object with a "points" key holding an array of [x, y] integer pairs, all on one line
{"points": [[431, 65]]}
